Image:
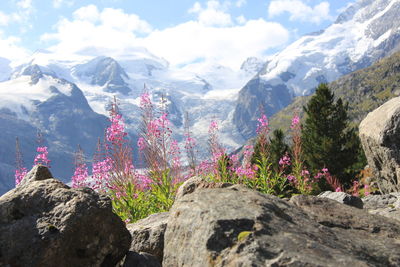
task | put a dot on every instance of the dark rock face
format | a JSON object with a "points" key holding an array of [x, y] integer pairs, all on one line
{"points": [[43, 222], [255, 97], [148, 234], [235, 226], [343, 198], [380, 135], [142, 259], [34, 71]]}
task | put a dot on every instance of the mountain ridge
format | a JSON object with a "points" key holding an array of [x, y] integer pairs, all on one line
{"points": [[365, 32], [365, 90]]}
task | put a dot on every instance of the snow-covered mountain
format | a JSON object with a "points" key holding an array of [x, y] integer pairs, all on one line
{"points": [[365, 32], [57, 95], [33, 101]]}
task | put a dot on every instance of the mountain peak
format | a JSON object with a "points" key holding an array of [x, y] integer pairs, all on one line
{"points": [[104, 71], [252, 65]]}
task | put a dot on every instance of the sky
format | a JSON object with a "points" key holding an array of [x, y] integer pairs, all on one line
{"points": [[182, 32]]}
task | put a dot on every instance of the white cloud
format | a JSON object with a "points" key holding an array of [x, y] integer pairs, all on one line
{"points": [[87, 13], [299, 11], [4, 19], [110, 31], [230, 46], [114, 33], [240, 3], [21, 16], [25, 4], [10, 49], [213, 14], [241, 19], [60, 3]]}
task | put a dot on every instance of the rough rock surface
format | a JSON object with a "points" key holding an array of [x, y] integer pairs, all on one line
{"points": [[148, 234], [195, 182], [343, 198], [235, 226], [384, 205], [37, 173], [380, 137], [46, 223], [142, 259]]}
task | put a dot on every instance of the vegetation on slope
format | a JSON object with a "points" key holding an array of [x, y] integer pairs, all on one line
{"points": [[364, 90]]}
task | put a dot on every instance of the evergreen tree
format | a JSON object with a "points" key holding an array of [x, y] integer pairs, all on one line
{"points": [[275, 149], [327, 139], [278, 148]]}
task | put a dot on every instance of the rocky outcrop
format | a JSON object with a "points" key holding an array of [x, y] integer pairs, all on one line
{"points": [[235, 226], [37, 173], [256, 97], [43, 222], [384, 205], [148, 235], [105, 71], [380, 137], [343, 198]]}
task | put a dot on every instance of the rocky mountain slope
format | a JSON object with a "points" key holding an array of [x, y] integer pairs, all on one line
{"points": [[364, 90], [365, 32], [34, 100]]}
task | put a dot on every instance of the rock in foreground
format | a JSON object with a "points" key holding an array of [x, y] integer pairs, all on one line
{"points": [[235, 226], [43, 222], [148, 234]]}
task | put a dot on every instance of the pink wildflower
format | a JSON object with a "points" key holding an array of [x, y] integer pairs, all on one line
{"points": [[295, 121], [262, 125], [115, 132], [285, 160], [42, 157], [291, 178], [305, 173], [20, 174], [213, 127], [175, 154], [141, 143], [80, 175], [366, 190], [145, 100]]}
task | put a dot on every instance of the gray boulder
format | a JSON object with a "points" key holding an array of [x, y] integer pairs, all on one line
{"points": [[380, 138], [195, 182], [236, 226], [37, 173], [148, 234], [385, 205], [44, 222], [343, 198]]}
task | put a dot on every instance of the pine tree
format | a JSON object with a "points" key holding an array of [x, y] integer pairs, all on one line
{"points": [[278, 148], [327, 139]]}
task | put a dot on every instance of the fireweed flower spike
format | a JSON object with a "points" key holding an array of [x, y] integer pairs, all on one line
{"points": [[42, 157], [20, 170]]}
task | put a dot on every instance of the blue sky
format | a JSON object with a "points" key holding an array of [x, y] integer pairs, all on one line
{"points": [[181, 31]]}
